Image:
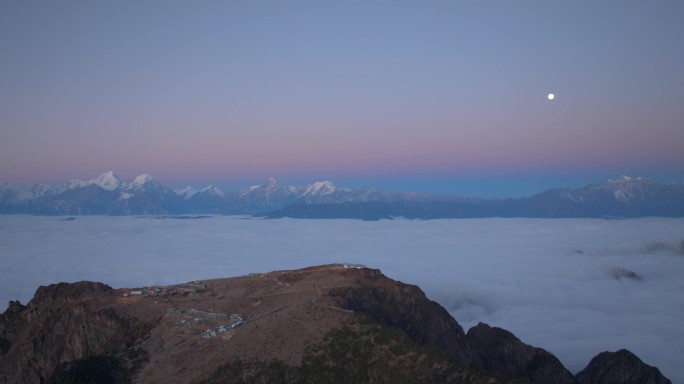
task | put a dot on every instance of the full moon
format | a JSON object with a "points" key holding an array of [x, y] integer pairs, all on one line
{"points": [[551, 96]]}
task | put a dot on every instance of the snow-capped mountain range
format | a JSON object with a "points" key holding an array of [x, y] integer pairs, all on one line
{"points": [[625, 197], [107, 194], [144, 195]]}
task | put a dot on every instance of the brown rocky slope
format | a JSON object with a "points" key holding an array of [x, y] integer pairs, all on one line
{"points": [[331, 323]]}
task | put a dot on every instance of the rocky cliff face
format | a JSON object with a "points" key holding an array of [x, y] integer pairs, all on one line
{"points": [[329, 323], [497, 350], [63, 323], [406, 307], [621, 367]]}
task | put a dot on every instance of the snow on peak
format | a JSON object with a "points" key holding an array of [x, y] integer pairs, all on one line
{"points": [[627, 179], [213, 191], [139, 183], [186, 192], [142, 179], [270, 186], [627, 189], [319, 188], [108, 180]]}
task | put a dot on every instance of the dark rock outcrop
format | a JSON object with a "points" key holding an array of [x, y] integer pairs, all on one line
{"points": [[497, 350], [62, 323], [10, 323], [621, 367], [406, 307], [67, 292]]}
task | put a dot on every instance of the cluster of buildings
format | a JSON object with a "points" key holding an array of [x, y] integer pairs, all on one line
{"points": [[355, 266], [194, 317], [158, 290], [151, 291], [235, 321]]}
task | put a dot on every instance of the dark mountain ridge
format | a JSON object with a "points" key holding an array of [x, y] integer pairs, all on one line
{"points": [[332, 323]]}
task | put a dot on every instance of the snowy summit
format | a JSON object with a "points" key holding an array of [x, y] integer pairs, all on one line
{"points": [[319, 188], [108, 181]]}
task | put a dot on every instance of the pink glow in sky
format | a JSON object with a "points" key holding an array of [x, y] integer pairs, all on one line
{"points": [[234, 91]]}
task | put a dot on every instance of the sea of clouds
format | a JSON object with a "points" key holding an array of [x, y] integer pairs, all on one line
{"points": [[575, 287]]}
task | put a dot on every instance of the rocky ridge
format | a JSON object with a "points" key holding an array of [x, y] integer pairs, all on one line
{"points": [[332, 323]]}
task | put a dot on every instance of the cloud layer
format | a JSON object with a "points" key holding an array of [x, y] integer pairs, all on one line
{"points": [[575, 287]]}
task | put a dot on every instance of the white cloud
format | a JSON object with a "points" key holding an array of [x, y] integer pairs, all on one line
{"points": [[551, 282]]}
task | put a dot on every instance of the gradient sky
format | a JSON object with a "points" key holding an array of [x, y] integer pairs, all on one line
{"points": [[439, 96]]}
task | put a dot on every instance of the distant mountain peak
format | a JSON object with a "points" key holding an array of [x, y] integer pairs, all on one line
{"points": [[214, 191], [140, 183], [625, 182], [142, 179], [628, 180], [109, 175], [270, 186], [108, 181], [319, 188]]}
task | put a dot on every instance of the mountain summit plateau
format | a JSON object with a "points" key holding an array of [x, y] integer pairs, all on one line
{"points": [[326, 324]]}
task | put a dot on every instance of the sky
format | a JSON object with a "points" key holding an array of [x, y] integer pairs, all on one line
{"points": [[436, 96], [556, 284]]}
